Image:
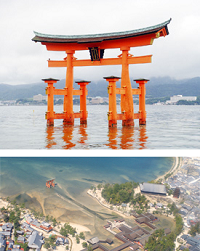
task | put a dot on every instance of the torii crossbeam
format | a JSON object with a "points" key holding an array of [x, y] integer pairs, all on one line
{"points": [[96, 45]]}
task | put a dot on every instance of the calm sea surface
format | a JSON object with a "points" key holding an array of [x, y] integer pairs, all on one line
{"points": [[168, 127], [75, 174]]}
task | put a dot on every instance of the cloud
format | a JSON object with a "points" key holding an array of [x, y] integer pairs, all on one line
{"points": [[23, 61]]}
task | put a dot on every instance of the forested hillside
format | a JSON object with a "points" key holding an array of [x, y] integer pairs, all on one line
{"points": [[156, 87]]}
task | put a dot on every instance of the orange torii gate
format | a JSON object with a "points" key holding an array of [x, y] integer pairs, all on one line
{"points": [[96, 45], [49, 183]]}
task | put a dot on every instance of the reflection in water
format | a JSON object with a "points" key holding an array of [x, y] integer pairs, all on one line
{"points": [[127, 137], [112, 138], [143, 136], [77, 136], [83, 134], [68, 136], [50, 137]]}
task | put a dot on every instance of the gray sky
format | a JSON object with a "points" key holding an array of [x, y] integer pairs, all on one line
{"points": [[22, 61]]}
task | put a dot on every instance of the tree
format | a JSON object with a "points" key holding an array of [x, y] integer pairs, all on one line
{"points": [[52, 240], [24, 246], [23, 205], [179, 224], [89, 248], [12, 216], [77, 239], [6, 217], [99, 186], [3, 210], [84, 244], [54, 222], [82, 236], [195, 229], [46, 245], [158, 241], [16, 223], [47, 218]]}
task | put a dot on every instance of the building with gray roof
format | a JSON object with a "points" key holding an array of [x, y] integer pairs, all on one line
{"points": [[153, 188], [2, 243], [35, 240]]}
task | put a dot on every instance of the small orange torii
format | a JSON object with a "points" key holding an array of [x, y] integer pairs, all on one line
{"points": [[49, 183], [96, 45]]}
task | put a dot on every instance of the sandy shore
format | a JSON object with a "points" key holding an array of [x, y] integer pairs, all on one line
{"points": [[3, 203], [174, 169]]}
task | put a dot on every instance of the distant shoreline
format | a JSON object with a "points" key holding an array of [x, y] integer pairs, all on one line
{"points": [[175, 167]]}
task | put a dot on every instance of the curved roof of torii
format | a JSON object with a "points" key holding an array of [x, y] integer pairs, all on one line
{"points": [[91, 38]]}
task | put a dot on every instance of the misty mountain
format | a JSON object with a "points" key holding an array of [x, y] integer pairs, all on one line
{"points": [[156, 87]]}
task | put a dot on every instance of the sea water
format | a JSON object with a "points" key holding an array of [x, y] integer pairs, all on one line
{"points": [[168, 127], [75, 174]]}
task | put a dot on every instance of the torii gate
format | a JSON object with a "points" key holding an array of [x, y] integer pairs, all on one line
{"points": [[96, 45], [50, 183]]}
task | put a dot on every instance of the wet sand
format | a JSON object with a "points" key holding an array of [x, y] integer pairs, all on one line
{"points": [[66, 211]]}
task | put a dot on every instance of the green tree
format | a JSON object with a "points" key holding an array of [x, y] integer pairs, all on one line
{"points": [[84, 244], [24, 246], [52, 240], [47, 218], [82, 236], [77, 239], [3, 210], [16, 224], [46, 245], [89, 248], [195, 229], [12, 216], [54, 222], [6, 217]]}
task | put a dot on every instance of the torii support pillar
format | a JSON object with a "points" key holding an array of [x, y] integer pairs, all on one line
{"points": [[126, 98], [142, 109], [50, 100], [83, 94], [112, 114], [68, 99]]}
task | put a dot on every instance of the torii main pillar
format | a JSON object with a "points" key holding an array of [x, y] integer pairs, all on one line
{"points": [[126, 98], [68, 99]]}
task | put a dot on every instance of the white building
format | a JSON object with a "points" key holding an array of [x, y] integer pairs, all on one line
{"points": [[39, 98], [97, 100], [174, 99]]}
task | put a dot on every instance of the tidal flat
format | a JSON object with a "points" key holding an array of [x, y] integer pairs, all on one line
{"points": [[24, 178]]}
